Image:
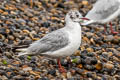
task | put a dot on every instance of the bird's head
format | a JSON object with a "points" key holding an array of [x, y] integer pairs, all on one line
{"points": [[74, 16]]}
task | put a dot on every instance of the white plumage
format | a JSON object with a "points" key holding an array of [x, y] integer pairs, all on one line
{"points": [[103, 11], [60, 43]]}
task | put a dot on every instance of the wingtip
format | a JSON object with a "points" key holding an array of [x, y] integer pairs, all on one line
{"points": [[21, 50], [87, 22], [22, 53]]}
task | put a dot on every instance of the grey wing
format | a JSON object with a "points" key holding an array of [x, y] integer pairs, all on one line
{"points": [[103, 9], [49, 43]]}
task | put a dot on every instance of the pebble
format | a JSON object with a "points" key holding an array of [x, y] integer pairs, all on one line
{"points": [[109, 38], [27, 69], [88, 60], [89, 34], [109, 66], [73, 72], [91, 54], [99, 66], [10, 37], [8, 54], [85, 2], [16, 35], [2, 38], [69, 75], [94, 61], [116, 52], [4, 77], [90, 50], [89, 67], [52, 72]]}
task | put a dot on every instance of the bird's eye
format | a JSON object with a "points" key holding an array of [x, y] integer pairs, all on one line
{"points": [[77, 15], [71, 17]]}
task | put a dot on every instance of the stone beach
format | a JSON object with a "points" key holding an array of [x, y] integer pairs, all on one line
{"points": [[25, 21]]}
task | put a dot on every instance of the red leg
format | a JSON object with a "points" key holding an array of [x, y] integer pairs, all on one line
{"points": [[61, 69], [105, 28], [113, 32]]}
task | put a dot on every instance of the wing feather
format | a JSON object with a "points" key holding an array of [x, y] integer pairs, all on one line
{"points": [[51, 42], [103, 9]]}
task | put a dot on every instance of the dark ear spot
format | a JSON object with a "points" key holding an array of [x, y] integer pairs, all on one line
{"points": [[77, 15], [71, 16]]}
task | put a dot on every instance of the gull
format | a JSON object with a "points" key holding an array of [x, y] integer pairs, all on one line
{"points": [[103, 11], [60, 43]]}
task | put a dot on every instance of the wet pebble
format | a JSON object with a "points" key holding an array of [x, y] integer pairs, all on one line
{"points": [[52, 72]]}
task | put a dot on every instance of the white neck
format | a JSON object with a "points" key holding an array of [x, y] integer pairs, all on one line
{"points": [[72, 25], [74, 30]]}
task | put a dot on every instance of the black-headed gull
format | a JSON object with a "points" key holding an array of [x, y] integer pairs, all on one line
{"points": [[60, 43], [103, 11]]}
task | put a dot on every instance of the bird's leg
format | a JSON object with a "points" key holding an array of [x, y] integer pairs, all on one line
{"points": [[31, 3], [105, 28], [113, 32], [61, 69]]}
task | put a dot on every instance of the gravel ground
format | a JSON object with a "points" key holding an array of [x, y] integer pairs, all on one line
{"points": [[24, 21]]}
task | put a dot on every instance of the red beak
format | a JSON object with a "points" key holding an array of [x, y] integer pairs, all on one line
{"points": [[85, 18]]}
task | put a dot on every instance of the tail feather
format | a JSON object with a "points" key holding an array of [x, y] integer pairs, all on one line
{"points": [[21, 50], [22, 53]]}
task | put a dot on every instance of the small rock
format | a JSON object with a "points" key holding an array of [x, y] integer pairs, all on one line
{"points": [[89, 34], [109, 38], [60, 5], [80, 66], [117, 53], [52, 72], [91, 54], [26, 68], [90, 50], [72, 71], [88, 60], [89, 67], [3, 77], [85, 3], [93, 61], [11, 37], [69, 75], [99, 66], [108, 66]]}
